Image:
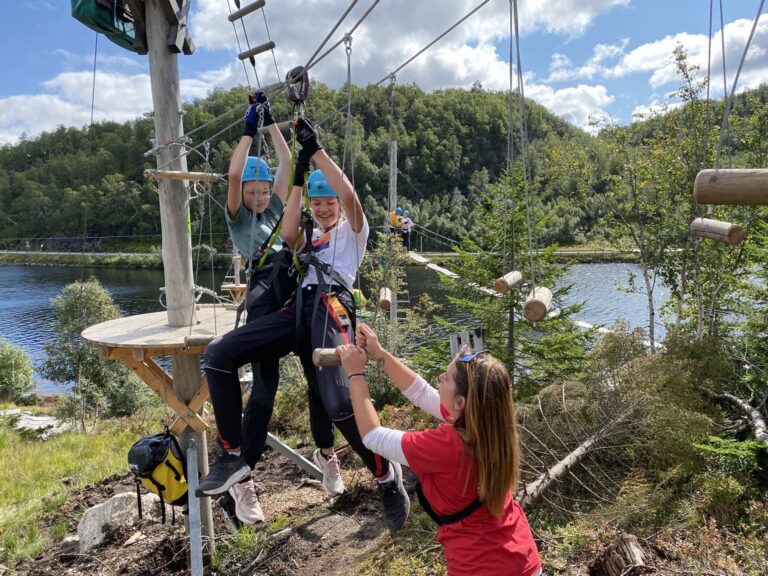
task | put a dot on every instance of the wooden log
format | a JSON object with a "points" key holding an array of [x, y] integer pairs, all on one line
{"points": [[732, 234], [173, 175], [256, 50], [537, 304], [508, 281], [736, 187], [326, 357], [385, 298], [245, 10]]}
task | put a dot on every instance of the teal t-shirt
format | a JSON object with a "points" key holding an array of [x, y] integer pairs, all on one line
{"points": [[248, 232]]}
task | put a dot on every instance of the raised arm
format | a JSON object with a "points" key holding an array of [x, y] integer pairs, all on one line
{"points": [[260, 99], [235, 177], [307, 136]]}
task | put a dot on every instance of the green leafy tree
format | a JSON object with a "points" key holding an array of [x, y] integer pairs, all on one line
{"points": [[97, 385], [15, 372]]}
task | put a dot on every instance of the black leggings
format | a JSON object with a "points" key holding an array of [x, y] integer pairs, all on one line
{"points": [[272, 336]]}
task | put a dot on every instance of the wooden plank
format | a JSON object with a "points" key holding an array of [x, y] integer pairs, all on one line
{"points": [[418, 258]]}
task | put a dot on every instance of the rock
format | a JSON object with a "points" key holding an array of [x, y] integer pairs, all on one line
{"points": [[119, 511], [44, 426]]}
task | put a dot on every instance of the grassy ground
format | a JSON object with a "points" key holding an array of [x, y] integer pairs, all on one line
{"points": [[35, 477]]}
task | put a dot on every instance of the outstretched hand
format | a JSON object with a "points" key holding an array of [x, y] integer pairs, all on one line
{"points": [[353, 358], [367, 339], [259, 104]]}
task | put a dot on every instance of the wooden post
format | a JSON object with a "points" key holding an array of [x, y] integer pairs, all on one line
{"points": [[732, 234], [537, 304], [737, 187], [174, 203]]}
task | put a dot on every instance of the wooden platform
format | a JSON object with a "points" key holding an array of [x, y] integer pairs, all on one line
{"points": [[135, 340], [151, 333]]}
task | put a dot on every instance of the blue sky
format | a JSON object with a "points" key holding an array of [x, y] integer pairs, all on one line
{"points": [[582, 59]]}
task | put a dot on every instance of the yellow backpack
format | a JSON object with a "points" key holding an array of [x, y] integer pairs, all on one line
{"points": [[158, 464]]}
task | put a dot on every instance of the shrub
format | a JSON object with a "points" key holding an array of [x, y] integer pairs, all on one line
{"points": [[15, 372]]}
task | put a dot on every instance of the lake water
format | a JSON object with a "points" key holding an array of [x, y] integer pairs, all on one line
{"points": [[26, 312]]}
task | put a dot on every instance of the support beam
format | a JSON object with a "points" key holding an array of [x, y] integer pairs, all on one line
{"points": [[736, 187]]}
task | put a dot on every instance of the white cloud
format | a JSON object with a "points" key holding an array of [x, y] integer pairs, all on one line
{"points": [[579, 105]]}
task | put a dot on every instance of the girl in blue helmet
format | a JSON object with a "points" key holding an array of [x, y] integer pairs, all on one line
{"points": [[321, 315], [255, 204]]}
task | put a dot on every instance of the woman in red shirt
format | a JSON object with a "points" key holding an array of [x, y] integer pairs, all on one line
{"points": [[468, 467]]}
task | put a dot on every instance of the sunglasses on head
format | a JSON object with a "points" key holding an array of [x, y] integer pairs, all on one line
{"points": [[467, 358]]}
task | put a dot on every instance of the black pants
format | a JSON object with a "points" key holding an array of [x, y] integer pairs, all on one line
{"points": [[272, 336]]}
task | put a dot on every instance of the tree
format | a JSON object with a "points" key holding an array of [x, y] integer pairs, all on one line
{"points": [[96, 384], [15, 372]]}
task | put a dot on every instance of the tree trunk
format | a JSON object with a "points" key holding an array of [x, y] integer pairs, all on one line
{"points": [[756, 418], [651, 309]]}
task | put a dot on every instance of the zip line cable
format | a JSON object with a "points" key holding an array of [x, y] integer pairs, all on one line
{"points": [[729, 99]]}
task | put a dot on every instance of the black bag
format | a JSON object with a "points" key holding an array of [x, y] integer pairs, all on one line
{"points": [[159, 465]]}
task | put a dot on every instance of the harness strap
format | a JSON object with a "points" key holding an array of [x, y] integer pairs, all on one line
{"points": [[278, 262], [448, 518]]}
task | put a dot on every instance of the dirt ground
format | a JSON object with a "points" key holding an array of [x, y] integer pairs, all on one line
{"points": [[326, 535]]}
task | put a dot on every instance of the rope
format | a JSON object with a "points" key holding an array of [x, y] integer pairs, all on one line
{"points": [[729, 98], [524, 148], [90, 143]]}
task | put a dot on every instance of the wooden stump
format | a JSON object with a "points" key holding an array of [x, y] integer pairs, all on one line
{"points": [[622, 558]]}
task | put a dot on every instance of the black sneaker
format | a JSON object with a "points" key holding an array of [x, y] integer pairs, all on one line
{"points": [[227, 470], [395, 500]]}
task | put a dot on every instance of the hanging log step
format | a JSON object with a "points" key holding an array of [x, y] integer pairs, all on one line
{"points": [[326, 357], [256, 50], [507, 282], [732, 234], [736, 187], [385, 299], [537, 304], [245, 10]]}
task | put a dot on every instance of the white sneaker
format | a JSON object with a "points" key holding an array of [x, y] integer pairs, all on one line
{"points": [[329, 466], [247, 507]]}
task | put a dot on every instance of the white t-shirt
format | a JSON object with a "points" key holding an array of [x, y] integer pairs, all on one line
{"points": [[343, 249]]}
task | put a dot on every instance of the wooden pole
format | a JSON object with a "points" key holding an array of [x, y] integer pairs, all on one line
{"points": [[174, 204], [736, 187]]}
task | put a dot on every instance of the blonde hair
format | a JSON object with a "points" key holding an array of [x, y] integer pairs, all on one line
{"points": [[489, 427]]}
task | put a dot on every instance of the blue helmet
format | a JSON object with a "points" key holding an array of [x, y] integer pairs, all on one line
{"points": [[405, 213], [398, 210], [256, 169], [318, 187]]}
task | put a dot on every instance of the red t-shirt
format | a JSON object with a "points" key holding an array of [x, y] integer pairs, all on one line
{"points": [[480, 544]]}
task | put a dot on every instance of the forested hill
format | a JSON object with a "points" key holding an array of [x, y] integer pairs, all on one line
{"points": [[451, 143]]}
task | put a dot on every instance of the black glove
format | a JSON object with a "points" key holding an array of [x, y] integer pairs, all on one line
{"points": [[259, 97], [301, 168], [306, 134], [251, 121]]}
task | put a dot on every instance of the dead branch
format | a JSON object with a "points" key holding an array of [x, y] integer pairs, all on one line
{"points": [[756, 419]]}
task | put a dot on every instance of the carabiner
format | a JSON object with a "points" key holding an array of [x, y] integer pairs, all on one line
{"points": [[297, 76]]}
